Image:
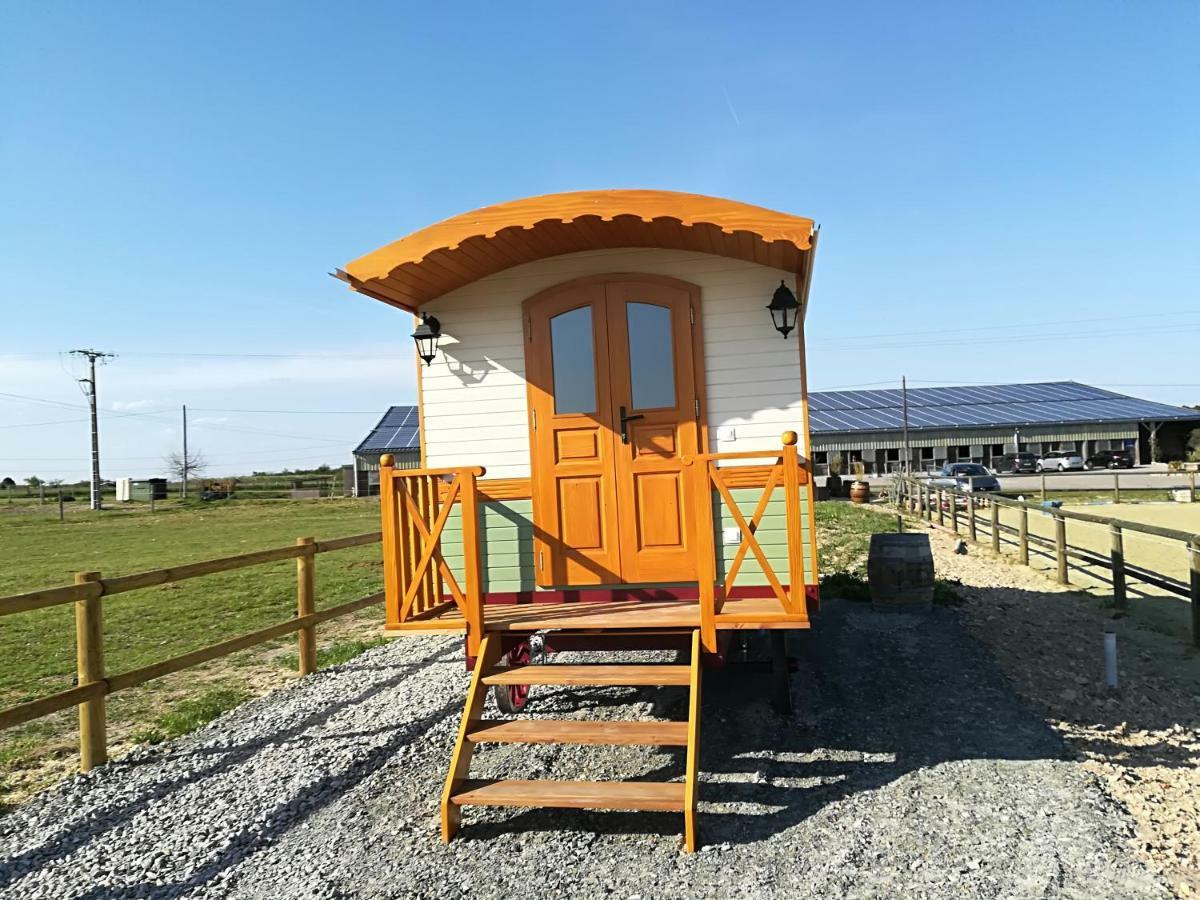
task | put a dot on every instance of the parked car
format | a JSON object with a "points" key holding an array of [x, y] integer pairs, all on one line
{"points": [[1059, 461], [1109, 459], [966, 477], [1016, 463]]}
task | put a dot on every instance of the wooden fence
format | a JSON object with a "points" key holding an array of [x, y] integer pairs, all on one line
{"points": [[937, 504], [88, 594]]}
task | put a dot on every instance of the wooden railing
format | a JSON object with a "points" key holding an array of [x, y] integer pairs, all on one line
{"points": [[937, 504], [89, 593], [789, 470], [416, 505]]}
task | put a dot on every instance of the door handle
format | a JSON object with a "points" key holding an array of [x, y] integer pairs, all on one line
{"points": [[625, 420]]}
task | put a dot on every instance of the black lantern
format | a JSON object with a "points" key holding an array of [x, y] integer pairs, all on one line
{"points": [[783, 307], [426, 337]]}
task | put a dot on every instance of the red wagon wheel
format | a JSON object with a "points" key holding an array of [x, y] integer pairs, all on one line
{"points": [[512, 698]]}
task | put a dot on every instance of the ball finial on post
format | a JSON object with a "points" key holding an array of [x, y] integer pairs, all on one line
{"points": [[790, 438], [387, 460]]}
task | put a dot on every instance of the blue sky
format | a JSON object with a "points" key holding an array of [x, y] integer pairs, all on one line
{"points": [[1007, 192]]}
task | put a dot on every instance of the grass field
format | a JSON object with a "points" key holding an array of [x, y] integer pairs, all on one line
{"points": [[38, 648]]}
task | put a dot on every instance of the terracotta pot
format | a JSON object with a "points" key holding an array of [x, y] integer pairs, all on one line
{"points": [[860, 492]]}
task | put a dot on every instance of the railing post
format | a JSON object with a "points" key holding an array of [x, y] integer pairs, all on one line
{"points": [[995, 526], [89, 658], [706, 547], [1117, 556], [953, 509], [1023, 536], [971, 531], [472, 563], [1116, 486], [306, 604], [928, 493], [1194, 552], [393, 587], [1060, 548], [791, 490], [941, 505]]}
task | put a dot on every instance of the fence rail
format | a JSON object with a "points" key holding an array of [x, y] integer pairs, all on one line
{"points": [[929, 501], [89, 592]]}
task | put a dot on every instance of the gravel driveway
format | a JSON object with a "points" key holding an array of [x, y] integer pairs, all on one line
{"points": [[910, 770]]}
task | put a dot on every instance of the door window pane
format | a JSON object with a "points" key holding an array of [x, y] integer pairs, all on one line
{"points": [[573, 358], [651, 355]]}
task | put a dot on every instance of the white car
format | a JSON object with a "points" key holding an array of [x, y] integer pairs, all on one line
{"points": [[1060, 461]]}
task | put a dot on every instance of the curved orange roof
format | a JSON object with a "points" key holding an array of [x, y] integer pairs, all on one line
{"points": [[467, 247]]}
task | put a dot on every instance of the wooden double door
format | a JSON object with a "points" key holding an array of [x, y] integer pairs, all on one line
{"points": [[613, 367]]}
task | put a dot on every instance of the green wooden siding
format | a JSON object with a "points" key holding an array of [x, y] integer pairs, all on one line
{"points": [[507, 535]]}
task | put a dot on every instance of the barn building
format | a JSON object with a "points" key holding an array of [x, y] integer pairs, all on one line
{"points": [[980, 423], [397, 433]]}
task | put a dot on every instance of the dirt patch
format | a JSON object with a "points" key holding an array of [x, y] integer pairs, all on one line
{"points": [[1142, 740]]}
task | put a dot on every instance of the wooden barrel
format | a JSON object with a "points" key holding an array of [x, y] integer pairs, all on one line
{"points": [[900, 570], [860, 492]]}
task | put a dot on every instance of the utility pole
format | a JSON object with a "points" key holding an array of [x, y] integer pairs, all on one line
{"points": [[183, 487], [904, 401], [90, 382]]}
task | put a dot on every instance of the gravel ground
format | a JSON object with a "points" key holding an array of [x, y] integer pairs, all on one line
{"points": [[911, 769], [1143, 740]]}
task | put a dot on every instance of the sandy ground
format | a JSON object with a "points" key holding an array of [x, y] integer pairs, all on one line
{"points": [[1142, 740]]}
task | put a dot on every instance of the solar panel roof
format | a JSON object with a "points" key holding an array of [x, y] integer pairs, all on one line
{"points": [[1054, 402], [397, 430]]}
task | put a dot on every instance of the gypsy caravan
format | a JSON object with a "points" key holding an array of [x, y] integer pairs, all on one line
{"points": [[614, 454]]}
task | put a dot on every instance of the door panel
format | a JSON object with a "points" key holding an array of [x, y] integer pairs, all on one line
{"points": [[613, 409], [653, 381], [574, 490]]}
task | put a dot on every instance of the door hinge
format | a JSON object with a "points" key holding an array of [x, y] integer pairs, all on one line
{"points": [[692, 314], [697, 404], [534, 419], [529, 329], [541, 560]]}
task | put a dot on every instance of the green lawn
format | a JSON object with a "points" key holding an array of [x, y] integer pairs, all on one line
{"points": [[141, 627]]}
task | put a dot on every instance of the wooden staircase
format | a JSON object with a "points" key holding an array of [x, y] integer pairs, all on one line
{"points": [[673, 796]]}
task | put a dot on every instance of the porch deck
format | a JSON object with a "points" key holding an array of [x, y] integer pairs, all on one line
{"points": [[748, 612]]}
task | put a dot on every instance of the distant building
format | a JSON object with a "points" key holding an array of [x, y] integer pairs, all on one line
{"points": [[979, 423], [398, 433]]}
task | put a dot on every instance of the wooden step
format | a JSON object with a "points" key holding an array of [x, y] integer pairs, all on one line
{"points": [[594, 674], [571, 731], [650, 795]]}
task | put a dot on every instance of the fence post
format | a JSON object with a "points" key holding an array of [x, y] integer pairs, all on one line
{"points": [[1060, 548], [790, 459], [941, 504], [995, 526], [1043, 487], [472, 562], [89, 658], [1116, 486], [1192, 485], [1117, 556], [953, 509], [974, 535], [1023, 537], [395, 538], [305, 606], [1194, 551]]}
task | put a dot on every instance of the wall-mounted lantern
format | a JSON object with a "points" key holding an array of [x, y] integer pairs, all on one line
{"points": [[784, 308], [426, 337]]}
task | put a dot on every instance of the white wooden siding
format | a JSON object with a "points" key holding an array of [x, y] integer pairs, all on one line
{"points": [[474, 403]]}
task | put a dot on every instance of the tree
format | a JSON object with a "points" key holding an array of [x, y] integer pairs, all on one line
{"points": [[1193, 445], [182, 467], [33, 481]]}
